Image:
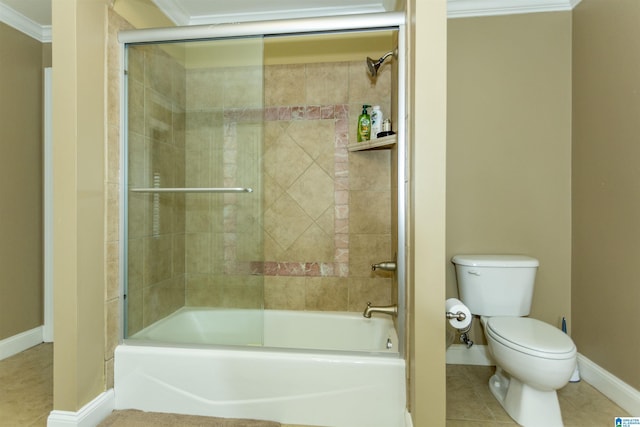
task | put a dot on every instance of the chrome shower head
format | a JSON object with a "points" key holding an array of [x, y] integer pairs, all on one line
{"points": [[373, 65]]}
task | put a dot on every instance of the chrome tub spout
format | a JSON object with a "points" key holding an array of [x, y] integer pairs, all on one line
{"points": [[386, 266], [391, 310]]}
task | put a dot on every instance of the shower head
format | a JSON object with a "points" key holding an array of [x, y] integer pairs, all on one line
{"points": [[373, 65]]}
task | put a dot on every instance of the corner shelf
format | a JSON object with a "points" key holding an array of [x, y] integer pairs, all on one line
{"points": [[383, 143]]}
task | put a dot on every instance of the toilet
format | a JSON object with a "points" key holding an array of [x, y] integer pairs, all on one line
{"points": [[533, 359]]}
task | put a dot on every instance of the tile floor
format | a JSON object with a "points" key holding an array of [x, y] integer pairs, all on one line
{"points": [[471, 404], [26, 387]]}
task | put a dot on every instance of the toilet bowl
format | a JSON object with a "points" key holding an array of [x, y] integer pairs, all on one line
{"points": [[533, 360], [534, 351]]}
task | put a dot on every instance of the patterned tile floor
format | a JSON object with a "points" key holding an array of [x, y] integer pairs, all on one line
{"points": [[471, 404]]}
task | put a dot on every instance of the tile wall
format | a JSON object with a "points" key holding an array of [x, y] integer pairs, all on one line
{"points": [[327, 211], [156, 221], [224, 245]]}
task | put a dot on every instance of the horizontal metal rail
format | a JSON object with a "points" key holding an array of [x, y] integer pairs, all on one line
{"points": [[193, 190], [317, 24]]}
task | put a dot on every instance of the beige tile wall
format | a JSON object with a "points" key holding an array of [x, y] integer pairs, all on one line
{"points": [[156, 129], [327, 211], [224, 146]]}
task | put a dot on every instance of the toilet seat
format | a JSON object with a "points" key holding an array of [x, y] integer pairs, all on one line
{"points": [[531, 336]]}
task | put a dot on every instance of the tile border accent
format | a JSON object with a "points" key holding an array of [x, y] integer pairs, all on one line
{"points": [[340, 114]]}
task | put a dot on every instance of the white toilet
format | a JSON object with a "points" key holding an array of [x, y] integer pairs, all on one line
{"points": [[533, 359]]}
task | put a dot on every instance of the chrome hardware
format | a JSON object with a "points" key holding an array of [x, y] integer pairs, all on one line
{"points": [[458, 316], [464, 338], [386, 266], [389, 344], [391, 310], [193, 190]]}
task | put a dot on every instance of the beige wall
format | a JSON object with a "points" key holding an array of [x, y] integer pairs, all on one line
{"points": [[79, 131], [427, 82], [21, 247], [606, 206], [509, 148], [46, 54]]}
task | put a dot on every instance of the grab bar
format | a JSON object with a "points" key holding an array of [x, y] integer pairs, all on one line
{"points": [[193, 190]]}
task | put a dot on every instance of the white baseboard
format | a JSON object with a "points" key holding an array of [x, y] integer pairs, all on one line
{"points": [[21, 342], [459, 354], [90, 415], [621, 393]]}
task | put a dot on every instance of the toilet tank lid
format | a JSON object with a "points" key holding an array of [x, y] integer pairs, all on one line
{"points": [[495, 261]]}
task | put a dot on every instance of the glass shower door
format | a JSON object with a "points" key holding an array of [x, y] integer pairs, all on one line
{"points": [[194, 244]]}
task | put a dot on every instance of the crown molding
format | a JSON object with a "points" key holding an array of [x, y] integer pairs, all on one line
{"points": [[283, 14], [456, 9], [471, 8], [174, 11], [180, 16], [42, 33]]}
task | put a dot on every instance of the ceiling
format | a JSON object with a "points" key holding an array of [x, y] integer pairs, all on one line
{"points": [[33, 17]]}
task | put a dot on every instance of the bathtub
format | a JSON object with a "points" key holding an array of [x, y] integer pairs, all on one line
{"points": [[311, 368]]}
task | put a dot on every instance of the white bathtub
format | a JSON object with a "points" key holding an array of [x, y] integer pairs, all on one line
{"points": [[342, 331], [363, 388]]}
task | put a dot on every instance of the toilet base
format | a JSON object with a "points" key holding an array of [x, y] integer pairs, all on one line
{"points": [[528, 406]]}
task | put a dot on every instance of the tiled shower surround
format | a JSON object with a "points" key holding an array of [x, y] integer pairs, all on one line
{"points": [[318, 217]]}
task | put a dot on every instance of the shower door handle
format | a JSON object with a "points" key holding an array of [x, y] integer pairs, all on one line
{"points": [[193, 190]]}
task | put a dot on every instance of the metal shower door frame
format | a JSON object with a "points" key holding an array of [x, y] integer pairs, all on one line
{"points": [[300, 26]]}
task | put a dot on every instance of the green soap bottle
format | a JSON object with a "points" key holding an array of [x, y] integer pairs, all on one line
{"points": [[364, 125]]}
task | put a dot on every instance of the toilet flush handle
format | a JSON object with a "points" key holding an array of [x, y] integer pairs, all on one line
{"points": [[474, 272]]}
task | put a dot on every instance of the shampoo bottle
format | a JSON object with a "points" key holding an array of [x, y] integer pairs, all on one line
{"points": [[364, 125], [376, 121]]}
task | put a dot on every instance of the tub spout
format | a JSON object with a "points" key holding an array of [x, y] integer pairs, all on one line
{"points": [[386, 266], [391, 310]]}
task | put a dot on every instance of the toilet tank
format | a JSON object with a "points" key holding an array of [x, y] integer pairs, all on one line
{"points": [[496, 285]]}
